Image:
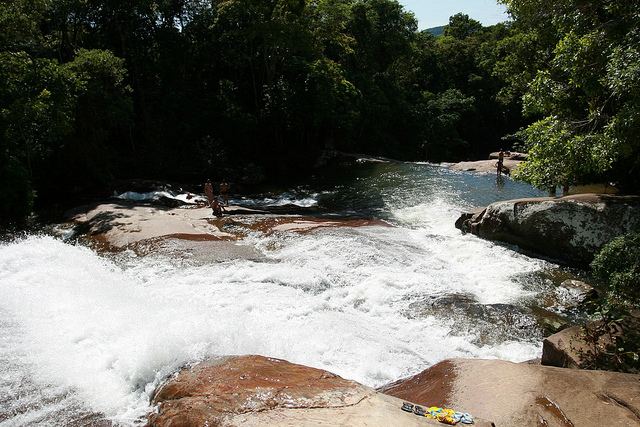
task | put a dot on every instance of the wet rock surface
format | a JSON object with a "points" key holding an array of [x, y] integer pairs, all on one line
{"points": [[119, 225], [513, 394], [556, 301], [575, 293], [149, 228], [256, 390], [568, 229], [493, 323]]}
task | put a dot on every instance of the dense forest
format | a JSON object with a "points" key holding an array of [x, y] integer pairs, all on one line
{"points": [[92, 91]]}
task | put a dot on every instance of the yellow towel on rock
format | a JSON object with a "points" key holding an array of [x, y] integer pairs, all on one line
{"points": [[444, 415]]}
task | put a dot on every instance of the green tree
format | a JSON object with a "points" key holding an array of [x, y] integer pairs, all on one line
{"points": [[461, 26], [36, 114], [101, 119], [584, 93]]}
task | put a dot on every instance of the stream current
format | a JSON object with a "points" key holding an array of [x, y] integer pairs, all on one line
{"points": [[86, 337]]}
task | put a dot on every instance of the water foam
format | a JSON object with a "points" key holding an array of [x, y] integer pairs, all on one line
{"points": [[284, 199], [153, 196], [106, 333]]}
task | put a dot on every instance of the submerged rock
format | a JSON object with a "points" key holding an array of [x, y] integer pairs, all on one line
{"points": [[526, 394], [259, 391], [569, 229], [574, 293], [491, 324]]}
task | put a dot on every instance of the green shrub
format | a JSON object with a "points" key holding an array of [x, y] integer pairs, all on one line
{"points": [[614, 340], [617, 266]]}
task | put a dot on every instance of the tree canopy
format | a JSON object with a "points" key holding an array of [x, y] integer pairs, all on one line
{"points": [[578, 65], [92, 92]]}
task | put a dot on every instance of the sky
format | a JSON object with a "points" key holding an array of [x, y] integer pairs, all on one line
{"points": [[434, 13]]}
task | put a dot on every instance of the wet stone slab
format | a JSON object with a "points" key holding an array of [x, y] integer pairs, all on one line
{"points": [[527, 395]]}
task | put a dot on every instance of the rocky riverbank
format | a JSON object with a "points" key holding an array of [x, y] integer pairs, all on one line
{"points": [[256, 390], [512, 394], [567, 229]]}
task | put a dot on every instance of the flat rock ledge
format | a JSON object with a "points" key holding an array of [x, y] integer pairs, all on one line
{"points": [[526, 395], [568, 229], [120, 225], [146, 228], [261, 391], [485, 166]]}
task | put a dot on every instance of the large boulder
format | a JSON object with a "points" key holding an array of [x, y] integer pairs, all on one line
{"points": [[579, 347], [259, 391], [566, 349], [526, 394], [568, 229]]}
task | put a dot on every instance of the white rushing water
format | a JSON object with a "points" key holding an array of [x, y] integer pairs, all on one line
{"points": [[85, 333]]}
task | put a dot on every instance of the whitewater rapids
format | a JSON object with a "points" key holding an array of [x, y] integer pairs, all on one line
{"points": [[85, 333]]}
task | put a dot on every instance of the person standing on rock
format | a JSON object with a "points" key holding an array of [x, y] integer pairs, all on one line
{"points": [[208, 191], [224, 192], [500, 163]]}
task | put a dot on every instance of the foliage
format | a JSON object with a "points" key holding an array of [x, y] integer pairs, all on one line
{"points": [[559, 156], [612, 343], [577, 65], [461, 26], [103, 90], [102, 116], [614, 340], [617, 265], [36, 114]]}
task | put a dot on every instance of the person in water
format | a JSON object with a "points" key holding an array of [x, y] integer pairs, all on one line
{"points": [[500, 164], [212, 199], [216, 207]]}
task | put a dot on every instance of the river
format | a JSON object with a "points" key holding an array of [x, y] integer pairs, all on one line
{"points": [[83, 333]]}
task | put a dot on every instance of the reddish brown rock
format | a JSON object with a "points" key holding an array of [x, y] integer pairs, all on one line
{"points": [[119, 226], [527, 395], [564, 348], [577, 347], [259, 391]]}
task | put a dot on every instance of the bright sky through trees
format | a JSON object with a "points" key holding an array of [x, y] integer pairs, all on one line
{"points": [[434, 13]]}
